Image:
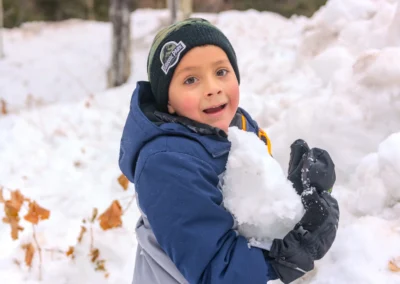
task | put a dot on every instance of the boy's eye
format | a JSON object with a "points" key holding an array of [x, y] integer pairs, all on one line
{"points": [[190, 81], [222, 72]]}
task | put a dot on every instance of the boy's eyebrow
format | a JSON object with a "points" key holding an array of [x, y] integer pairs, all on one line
{"points": [[189, 68], [186, 69], [221, 61]]}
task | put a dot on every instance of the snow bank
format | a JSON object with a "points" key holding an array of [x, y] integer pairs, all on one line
{"points": [[65, 157], [375, 183]]}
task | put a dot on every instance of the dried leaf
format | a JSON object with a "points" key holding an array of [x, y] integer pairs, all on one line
{"points": [[71, 252], [2, 200], [12, 210], [17, 199], [29, 253], [36, 213], [100, 265], [111, 218], [123, 181], [77, 164], [3, 107], [15, 228], [393, 266], [94, 215], [82, 232], [94, 254]]}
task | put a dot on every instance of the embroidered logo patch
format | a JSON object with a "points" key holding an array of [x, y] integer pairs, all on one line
{"points": [[169, 54]]}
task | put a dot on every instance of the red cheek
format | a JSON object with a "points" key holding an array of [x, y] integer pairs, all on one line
{"points": [[189, 104], [233, 90]]}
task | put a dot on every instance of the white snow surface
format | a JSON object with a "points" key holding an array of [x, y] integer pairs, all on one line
{"points": [[332, 79]]}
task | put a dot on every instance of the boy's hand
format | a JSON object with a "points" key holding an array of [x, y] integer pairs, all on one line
{"points": [[297, 151], [318, 170], [310, 239], [313, 175], [310, 168]]}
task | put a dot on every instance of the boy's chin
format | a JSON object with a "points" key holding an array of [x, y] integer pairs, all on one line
{"points": [[222, 126]]}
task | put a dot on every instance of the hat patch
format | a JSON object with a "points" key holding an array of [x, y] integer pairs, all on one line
{"points": [[169, 55]]}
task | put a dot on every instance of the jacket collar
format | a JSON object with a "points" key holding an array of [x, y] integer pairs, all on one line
{"points": [[143, 111]]}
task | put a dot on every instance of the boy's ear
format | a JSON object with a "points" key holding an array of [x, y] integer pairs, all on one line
{"points": [[171, 110]]}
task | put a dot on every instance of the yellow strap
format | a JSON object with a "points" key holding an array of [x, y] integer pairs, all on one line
{"points": [[263, 136], [244, 123]]}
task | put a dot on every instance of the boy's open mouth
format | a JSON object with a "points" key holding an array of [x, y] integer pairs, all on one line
{"points": [[214, 109]]}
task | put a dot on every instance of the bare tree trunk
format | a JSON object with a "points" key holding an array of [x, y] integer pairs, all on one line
{"points": [[173, 6], [90, 9], [120, 68], [1, 29], [187, 8]]}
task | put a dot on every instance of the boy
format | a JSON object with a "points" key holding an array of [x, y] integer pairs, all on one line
{"points": [[174, 148]]}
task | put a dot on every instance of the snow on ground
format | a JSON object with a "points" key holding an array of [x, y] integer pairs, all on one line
{"points": [[332, 79], [65, 156]]}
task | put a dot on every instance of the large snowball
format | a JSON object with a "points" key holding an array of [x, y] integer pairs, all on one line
{"points": [[256, 191]]}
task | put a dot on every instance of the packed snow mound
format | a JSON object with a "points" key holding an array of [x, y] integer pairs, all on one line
{"points": [[330, 79], [357, 25], [389, 162], [256, 191], [375, 183], [377, 68], [360, 109], [357, 257]]}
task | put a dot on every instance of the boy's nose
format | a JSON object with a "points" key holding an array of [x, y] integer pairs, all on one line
{"points": [[213, 88]]}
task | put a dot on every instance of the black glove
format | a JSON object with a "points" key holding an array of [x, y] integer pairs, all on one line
{"points": [[312, 237], [297, 151], [318, 170], [322, 169]]}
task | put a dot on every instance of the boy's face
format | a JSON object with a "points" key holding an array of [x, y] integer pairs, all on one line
{"points": [[204, 87]]}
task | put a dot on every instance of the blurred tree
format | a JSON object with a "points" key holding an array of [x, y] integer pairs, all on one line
{"points": [[90, 9], [18, 11], [120, 68], [211, 6], [284, 7], [186, 8], [173, 6]]}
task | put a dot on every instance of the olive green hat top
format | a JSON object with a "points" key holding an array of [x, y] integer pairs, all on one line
{"points": [[172, 43]]}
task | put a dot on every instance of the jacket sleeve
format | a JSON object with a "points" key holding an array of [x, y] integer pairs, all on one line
{"points": [[178, 193]]}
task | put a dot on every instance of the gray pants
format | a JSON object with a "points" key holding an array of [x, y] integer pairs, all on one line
{"points": [[152, 265]]}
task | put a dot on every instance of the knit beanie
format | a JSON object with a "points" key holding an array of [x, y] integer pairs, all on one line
{"points": [[172, 43]]}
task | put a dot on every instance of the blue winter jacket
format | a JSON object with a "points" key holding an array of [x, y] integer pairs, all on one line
{"points": [[185, 235]]}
